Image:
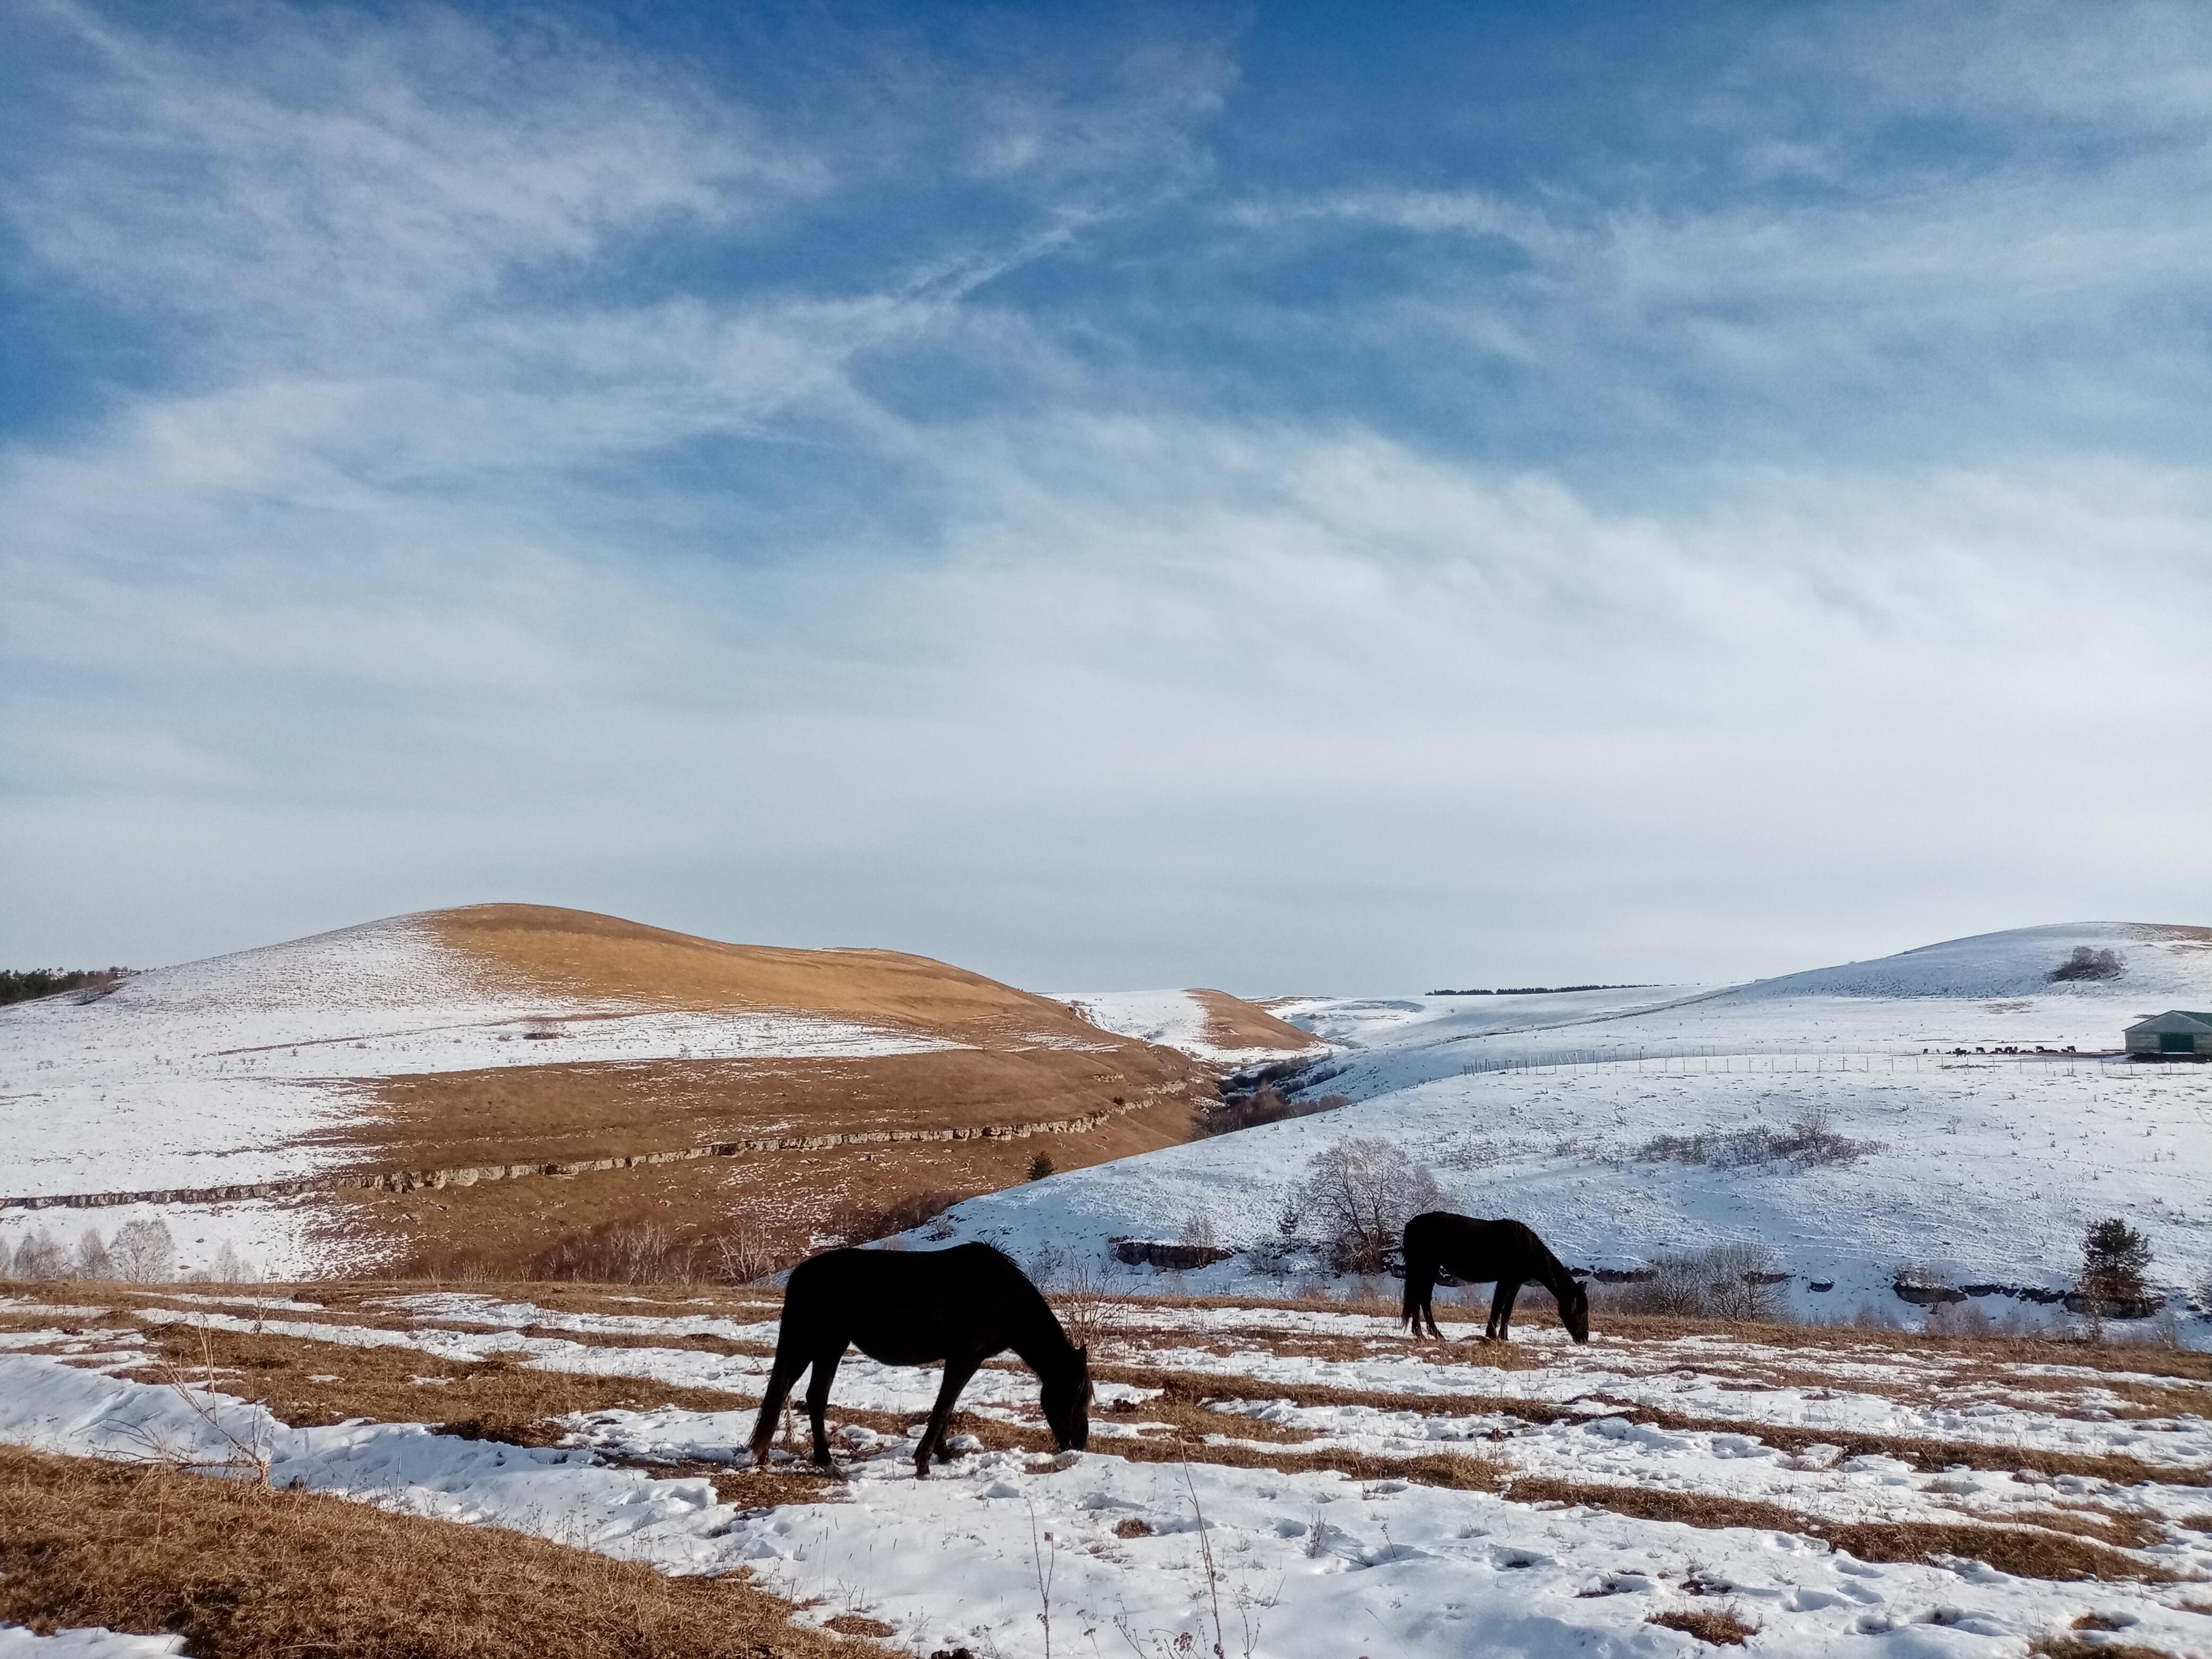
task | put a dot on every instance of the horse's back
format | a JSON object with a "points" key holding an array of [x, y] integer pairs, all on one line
{"points": [[1470, 1248], [906, 1307]]}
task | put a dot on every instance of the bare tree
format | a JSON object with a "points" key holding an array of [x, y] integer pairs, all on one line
{"points": [[39, 1257], [143, 1254], [92, 1256], [1360, 1194]]}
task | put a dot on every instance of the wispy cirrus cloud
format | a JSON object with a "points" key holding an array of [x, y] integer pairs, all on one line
{"points": [[893, 484]]}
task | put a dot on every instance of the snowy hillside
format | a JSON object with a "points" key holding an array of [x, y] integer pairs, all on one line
{"points": [[1210, 1026], [1974, 1169], [225, 1071], [2155, 962]]}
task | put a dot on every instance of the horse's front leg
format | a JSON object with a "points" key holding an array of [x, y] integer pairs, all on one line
{"points": [[1501, 1311], [780, 1377], [817, 1405], [931, 1443]]}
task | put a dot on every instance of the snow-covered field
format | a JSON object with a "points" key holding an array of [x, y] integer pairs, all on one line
{"points": [[1976, 1169], [225, 1071], [1852, 1499]]}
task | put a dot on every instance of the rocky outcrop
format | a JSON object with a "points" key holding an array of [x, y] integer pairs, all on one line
{"points": [[1143, 1253], [409, 1181]]}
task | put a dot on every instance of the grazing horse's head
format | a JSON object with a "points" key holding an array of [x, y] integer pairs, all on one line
{"points": [[1067, 1403], [1574, 1312]]}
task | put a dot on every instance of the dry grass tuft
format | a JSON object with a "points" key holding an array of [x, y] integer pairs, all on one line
{"points": [[2023, 1551], [1717, 1626], [2070, 1647], [240, 1571], [1929, 1455], [492, 1399]]}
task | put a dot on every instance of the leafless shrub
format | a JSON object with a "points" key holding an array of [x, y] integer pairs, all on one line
{"points": [[2087, 964], [1809, 1142], [1090, 1305], [630, 1252], [1198, 1232], [1046, 1265], [1470, 1153], [1958, 1319], [742, 1255], [236, 1450], [862, 1220], [1731, 1283], [1360, 1194], [1265, 1104], [459, 1265], [1271, 1256]]}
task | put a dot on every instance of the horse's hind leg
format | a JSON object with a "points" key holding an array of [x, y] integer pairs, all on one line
{"points": [[817, 1404], [931, 1443], [1420, 1284], [1429, 1312], [1501, 1311]]}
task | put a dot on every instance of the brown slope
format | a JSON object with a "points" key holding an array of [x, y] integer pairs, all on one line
{"points": [[1027, 1078], [579, 953], [1232, 1023]]}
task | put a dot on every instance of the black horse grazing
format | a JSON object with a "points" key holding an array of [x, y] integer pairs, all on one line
{"points": [[914, 1308], [1478, 1252]]}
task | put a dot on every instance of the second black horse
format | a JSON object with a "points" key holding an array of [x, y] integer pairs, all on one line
{"points": [[916, 1308], [1478, 1252]]}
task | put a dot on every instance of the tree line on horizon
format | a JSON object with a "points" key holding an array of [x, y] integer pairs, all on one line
{"points": [[27, 984]]}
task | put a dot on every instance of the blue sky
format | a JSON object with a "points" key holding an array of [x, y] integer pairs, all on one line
{"points": [[1290, 498]]}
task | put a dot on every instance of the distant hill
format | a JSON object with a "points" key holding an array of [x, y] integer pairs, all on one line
{"points": [[1210, 1026], [2147, 960], [1954, 1116], [447, 1046]]}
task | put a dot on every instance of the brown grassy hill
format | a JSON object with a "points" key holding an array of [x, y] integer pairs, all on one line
{"points": [[1024, 1076], [577, 953], [1232, 1023]]}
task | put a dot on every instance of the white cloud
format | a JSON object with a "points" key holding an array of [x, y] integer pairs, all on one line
{"points": [[395, 595]]}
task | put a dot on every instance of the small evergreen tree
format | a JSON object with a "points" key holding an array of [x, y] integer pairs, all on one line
{"points": [[1040, 1167], [2114, 1258]]}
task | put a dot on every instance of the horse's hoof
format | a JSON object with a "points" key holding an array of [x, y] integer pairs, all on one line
{"points": [[922, 1471]]}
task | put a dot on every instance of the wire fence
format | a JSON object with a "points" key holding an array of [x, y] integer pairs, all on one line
{"points": [[1691, 1061]]}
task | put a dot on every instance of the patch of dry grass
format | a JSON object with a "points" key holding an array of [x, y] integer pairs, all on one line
{"points": [[245, 1572], [2022, 1551], [1717, 1626], [493, 1399], [1932, 1456]]}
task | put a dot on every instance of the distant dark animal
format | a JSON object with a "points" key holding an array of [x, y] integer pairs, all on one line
{"points": [[916, 1308], [1478, 1252]]}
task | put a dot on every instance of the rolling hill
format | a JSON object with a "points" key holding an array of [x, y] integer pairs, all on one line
{"points": [[405, 1085], [1211, 1026], [1631, 1125]]}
